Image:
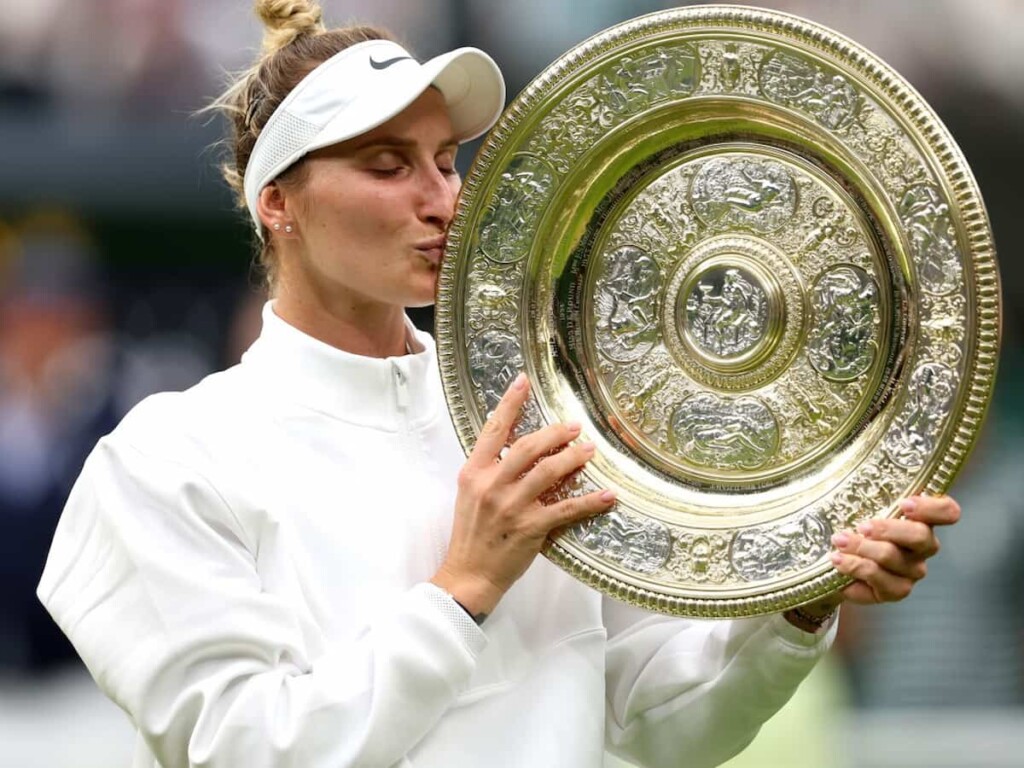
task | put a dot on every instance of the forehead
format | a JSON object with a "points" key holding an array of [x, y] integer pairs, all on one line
{"points": [[424, 123]]}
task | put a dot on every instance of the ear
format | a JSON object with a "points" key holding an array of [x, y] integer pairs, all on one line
{"points": [[272, 207]]}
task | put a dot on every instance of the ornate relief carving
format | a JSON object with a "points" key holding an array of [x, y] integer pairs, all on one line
{"points": [[912, 438], [843, 339], [796, 82], [495, 359], [635, 543], [925, 215], [771, 551], [727, 312], [724, 432], [516, 208], [701, 558], [745, 192], [626, 304]]}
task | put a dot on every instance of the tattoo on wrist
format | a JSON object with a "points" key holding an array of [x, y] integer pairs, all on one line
{"points": [[478, 618]]}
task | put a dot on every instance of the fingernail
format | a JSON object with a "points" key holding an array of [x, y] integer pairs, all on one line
{"points": [[840, 539], [908, 505], [520, 381], [573, 426], [837, 558], [865, 528], [607, 496], [587, 447]]}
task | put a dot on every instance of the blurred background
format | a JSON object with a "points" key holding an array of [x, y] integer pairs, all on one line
{"points": [[125, 270]]}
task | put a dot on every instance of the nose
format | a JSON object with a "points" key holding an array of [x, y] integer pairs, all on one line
{"points": [[437, 197]]}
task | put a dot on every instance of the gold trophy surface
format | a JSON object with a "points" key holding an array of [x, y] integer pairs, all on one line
{"points": [[747, 256]]}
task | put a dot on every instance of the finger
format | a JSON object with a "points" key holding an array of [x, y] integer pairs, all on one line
{"points": [[494, 433], [885, 586], [931, 510], [531, 448], [549, 471], [910, 535], [889, 556], [574, 509], [860, 593]]}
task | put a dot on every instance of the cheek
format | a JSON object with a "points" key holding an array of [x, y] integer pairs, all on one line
{"points": [[363, 217]]}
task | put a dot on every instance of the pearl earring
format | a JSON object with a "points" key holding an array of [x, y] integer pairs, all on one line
{"points": [[288, 228], [277, 227]]}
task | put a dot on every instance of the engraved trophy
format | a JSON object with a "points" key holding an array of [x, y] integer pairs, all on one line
{"points": [[747, 256]]}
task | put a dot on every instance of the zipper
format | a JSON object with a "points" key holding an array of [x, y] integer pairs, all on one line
{"points": [[401, 387], [413, 444]]}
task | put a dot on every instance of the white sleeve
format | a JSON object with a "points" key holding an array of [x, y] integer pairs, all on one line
{"points": [[150, 577], [695, 692]]}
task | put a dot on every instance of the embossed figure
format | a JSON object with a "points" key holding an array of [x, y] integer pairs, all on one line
{"points": [[294, 562], [796, 82], [731, 68], [623, 93], [636, 543], [728, 318], [773, 551], [759, 195], [494, 360], [491, 303], [670, 72], [842, 341], [514, 211], [912, 439], [724, 433], [926, 217], [701, 558], [753, 193], [626, 296], [661, 217], [815, 409]]}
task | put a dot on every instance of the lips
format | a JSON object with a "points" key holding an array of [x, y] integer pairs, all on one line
{"points": [[433, 249]]}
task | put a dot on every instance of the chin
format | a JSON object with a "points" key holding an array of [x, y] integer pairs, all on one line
{"points": [[420, 303], [423, 296]]}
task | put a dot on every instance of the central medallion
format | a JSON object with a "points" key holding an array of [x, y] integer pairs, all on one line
{"points": [[726, 312], [729, 321]]}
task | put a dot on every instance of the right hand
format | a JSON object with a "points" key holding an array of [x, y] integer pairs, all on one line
{"points": [[500, 522]]}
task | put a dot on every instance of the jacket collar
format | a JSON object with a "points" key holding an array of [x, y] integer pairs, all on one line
{"points": [[353, 388]]}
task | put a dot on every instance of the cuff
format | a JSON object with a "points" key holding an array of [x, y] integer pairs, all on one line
{"points": [[471, 634]]}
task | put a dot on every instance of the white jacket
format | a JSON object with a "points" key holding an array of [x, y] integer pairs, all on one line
{"points": [[243, 567]]}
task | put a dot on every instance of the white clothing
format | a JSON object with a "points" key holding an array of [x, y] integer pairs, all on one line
{"points": [[243, 567]]}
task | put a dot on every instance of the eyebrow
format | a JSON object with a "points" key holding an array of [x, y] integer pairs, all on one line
{"points": [[399, 143]]}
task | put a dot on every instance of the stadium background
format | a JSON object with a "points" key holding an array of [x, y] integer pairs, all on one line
{"points": [[124, 270]]}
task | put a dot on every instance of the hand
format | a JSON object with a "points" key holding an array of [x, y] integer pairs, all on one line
{"points": [[888, 556], [885, 556], [500, 523]]}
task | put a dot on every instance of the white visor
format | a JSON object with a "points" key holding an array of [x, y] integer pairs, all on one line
{"points": [[362, 87]]}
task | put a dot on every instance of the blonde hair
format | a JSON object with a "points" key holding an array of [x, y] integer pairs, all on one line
{"points": [[295, 42]]}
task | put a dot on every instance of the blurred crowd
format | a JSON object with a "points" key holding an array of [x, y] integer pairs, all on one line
{"points": [[125, 271]]}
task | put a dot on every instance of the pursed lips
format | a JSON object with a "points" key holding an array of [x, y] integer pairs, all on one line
{"points": [[432, 249]]}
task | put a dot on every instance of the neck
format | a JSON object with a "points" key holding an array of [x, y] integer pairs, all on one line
{"points": [[370, 330]]}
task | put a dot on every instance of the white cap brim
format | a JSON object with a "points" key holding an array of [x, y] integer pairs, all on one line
{"points": [[363, 87]]}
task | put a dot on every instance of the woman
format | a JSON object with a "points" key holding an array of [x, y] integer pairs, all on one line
{"points": [[293, 564]]}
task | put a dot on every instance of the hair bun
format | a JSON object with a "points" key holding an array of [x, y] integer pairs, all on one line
{"points": [[286, 20]]}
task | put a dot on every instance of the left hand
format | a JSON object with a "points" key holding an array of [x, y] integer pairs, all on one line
{"points": [[886, 557]]}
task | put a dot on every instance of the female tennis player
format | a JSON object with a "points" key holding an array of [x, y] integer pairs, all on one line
{"points": [[293, 563]]}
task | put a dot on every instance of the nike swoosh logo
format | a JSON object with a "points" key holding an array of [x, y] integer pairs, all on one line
{"points": [[387, 62]]}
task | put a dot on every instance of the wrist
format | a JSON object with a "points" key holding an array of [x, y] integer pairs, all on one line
{"points": [[477, 597], [812, 617], [478, 618]]}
